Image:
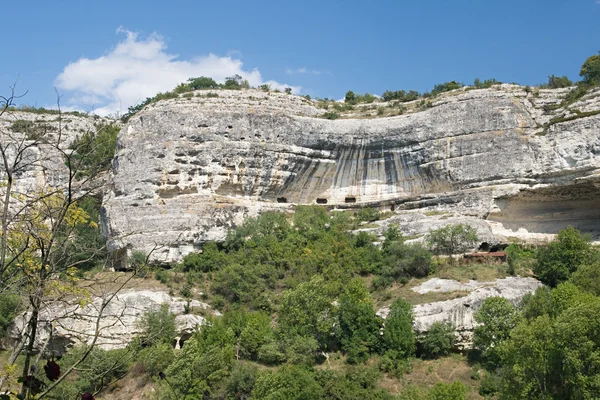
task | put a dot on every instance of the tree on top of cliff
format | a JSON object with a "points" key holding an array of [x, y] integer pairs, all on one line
{"points": [[590, 70]]}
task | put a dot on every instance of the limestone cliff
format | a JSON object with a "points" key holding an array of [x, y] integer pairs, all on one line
{"points": [[189, 169]]}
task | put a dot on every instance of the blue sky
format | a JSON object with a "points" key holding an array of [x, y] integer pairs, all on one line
{"points": [[106, 55]]}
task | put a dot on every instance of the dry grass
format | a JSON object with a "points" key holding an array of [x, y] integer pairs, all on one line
{"points": [[426, 373]]}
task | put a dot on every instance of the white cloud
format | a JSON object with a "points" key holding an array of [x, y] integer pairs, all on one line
{"points": [[304, 70], [138, 68]]}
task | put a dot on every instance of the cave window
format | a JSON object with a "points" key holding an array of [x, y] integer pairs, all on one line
{"points": [[282, 200], [350, 200], [321, 201], [485, 246], [393, 207]]}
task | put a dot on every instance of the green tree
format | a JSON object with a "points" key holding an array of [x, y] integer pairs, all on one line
{"points": [[406, 260], [497, 317], [561, 257], [556, 82], [350, 97], [358, 324], [202, 82], [398, 335], [452, 239], [587, 277], [590, 70], [439, 340], [9, 307], [289, 383], [308, 311]]}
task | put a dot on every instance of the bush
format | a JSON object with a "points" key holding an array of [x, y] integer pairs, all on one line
{"points": [[158, 327], [445, 87], [156, 359], [368, 214], [331, 115], [560, 258], [587, 278], [555, 82], [439, 340], [9, 308], [93, 151], [448, 391], [406, 260], [398, 335], [452, 239]]}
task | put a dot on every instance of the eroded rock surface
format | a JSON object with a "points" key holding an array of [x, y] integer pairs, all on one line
{"points": [[189, 169], [459, 312], [63, 326]]}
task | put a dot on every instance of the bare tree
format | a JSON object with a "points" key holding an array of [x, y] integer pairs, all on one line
{"points": [[39, 224]]}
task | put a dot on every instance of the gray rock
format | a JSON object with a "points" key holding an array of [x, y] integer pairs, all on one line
{"points": [[187, 170], [459, 312], [64, 326]]}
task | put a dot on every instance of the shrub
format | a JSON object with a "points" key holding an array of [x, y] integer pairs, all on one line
{"points": [[368, 214], [587, 278], [448, 391], [202, 82], [398, 335], [445, 87], [93, 151], [452, 239], [439, 340], [157, 358], [555, 82], [350, 97], [331, 115], [560, 258], [157, 326], [9, 307], [402, 260]]}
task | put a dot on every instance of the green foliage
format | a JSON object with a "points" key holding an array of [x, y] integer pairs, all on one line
{"points": [[497, 316], [202, 82], [93, 151], [350, 97], [158, 326], [32, 130], [587, 278], [560, 258], [99, 369], [518, 255], [445, 87], [358, 324], [368, 214], [398, 335], [448, 391], [289, 382], [406, 260], [452, 239], [308, 311], [156, 358], [438, 341], [330, 115], [211, 259], [401, 95], [203, 363], [477, 83], [556, 82], [590, 70], [9, 308]]}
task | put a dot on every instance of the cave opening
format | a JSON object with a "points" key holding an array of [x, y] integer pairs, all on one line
{"points": [[350, 199], [321, 200]]}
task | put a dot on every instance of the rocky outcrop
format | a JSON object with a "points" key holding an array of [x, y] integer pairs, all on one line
{"points": [[459, 312], [189, 169], [65, 325]]}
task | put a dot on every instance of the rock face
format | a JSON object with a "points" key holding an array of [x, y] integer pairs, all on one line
{"points": [[189, 169], [63, 326], [459, 312]]}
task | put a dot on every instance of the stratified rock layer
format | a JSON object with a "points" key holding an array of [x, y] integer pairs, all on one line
{"points": [[189, 169], [460, 312]]}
